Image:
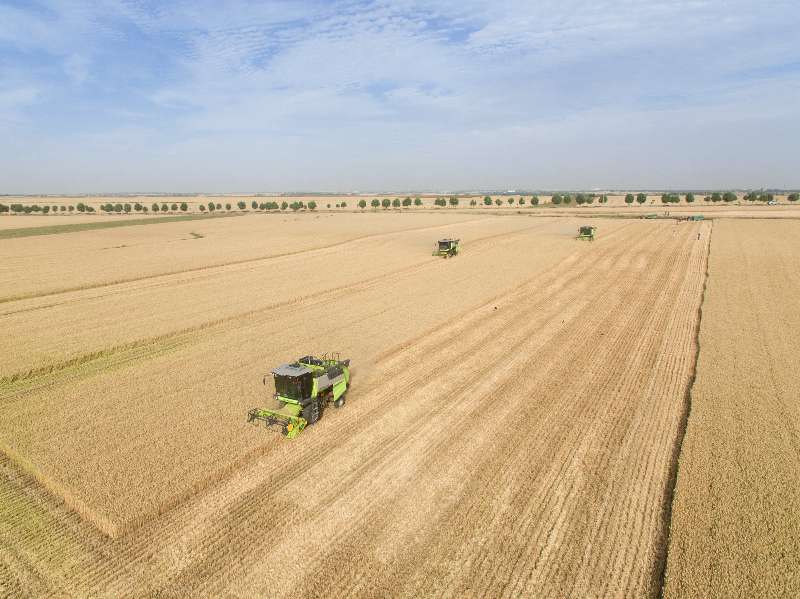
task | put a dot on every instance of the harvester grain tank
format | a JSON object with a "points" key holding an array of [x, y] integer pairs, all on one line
{"points": [[586, 232], [447, 248], [303, 390]]}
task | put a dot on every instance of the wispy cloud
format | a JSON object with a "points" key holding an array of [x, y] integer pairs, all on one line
{"points": [[403, 93]]}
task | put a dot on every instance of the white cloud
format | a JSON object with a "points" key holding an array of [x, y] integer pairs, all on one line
{"points": [[442, 94]]}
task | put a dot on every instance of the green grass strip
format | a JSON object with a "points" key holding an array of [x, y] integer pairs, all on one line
{"points": [[108, 224]]}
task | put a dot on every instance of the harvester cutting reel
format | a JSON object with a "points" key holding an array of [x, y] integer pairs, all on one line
{"points": [[303, 389]]}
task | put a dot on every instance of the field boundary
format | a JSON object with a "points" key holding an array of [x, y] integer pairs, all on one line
{"points": [[105, 224], [660, 571]]}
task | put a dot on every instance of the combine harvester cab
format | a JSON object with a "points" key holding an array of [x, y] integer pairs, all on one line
{"points": [[586, 232], [447, 248], [303, 390]]}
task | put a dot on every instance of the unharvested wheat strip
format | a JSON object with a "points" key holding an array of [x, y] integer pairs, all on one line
{"points": [[742, 439]]}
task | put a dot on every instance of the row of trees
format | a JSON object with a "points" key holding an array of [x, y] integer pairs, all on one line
{"points": [[37, 209], [386, 203], [580, 198]]}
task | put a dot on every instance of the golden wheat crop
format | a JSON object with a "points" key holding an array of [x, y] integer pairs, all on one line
{"points": [[736, 522]]}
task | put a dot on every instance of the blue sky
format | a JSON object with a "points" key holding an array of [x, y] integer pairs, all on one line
{"points": [[119, 95]]}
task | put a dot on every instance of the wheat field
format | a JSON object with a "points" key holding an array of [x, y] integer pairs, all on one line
{"points": [[511, 428], [736, 524]]}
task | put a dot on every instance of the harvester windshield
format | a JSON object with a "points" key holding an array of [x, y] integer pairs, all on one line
{"points": [[444, 245], [289, 386]]}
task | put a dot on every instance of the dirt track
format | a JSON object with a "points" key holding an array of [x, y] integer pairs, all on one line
{"points": [[507, 434]]}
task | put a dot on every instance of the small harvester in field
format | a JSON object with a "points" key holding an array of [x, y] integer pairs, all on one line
{"points": [[447, 248], [586, 232], [303, 390]]}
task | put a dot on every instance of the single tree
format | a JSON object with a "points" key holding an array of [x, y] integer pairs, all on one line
{"points": [[362, 204], [487, 201], [344, 204], [454, 201], [689, 198], [117, 207], [202, 208], [521, 201], [729, 196], [155, 207], [184, 206], [418, 201], [641, 198], [793, 197], [510, 201], [240, 204], [45, 209], [406, 202], [498, 202], [386, 202], [473, 202], [396, 202], [556, 199], [312, 205], [375, 203], [127, 208], [284, 205], [81, 207], [566, 198], [535, 201]]}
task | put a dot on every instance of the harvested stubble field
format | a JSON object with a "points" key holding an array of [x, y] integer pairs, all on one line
{"points": [[736, 517], [511, 428]]}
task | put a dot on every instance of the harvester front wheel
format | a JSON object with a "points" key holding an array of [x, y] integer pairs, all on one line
{"points": [[339, 402], [312, 412]]}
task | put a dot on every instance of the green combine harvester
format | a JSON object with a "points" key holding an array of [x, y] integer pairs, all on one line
{"points": [[303, 389], [447, 248], [586, 232]]}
